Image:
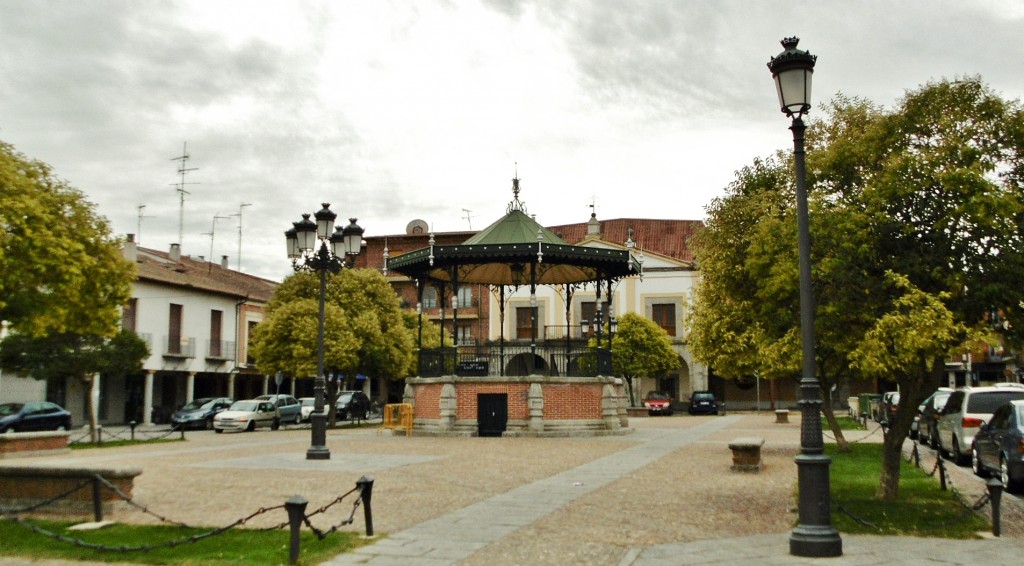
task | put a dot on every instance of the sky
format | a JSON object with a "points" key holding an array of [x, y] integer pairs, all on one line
{"points": [[400, 110]]}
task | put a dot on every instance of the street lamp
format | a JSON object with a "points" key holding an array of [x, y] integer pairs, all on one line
{"points": [[813, 536], [318, 246]]}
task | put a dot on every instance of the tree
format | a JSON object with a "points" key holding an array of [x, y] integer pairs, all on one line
{"points": [[431, 336], [641, 348], [922, 203], [81, 356], [364, 330], [61, 271]]}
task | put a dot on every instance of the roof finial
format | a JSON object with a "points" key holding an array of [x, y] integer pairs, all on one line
{"points": [[516, 204]]}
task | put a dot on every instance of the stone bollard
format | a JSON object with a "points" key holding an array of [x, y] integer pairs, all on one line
{"points": [[781, 416], [746, 454]]}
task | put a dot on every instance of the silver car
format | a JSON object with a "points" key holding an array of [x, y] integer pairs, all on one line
{"points": [[289, 410], [966, 409], [247, 415]]}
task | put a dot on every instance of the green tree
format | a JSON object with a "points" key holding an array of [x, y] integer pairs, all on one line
{"points": [[930, 191], [61, 271], [81, 356], [364, 330], [431, 336], [641, 348]]}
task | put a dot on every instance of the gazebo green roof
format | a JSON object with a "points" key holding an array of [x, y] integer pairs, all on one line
{"points": [[515, 250]]}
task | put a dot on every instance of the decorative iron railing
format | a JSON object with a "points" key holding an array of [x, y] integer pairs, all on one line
{"points": [[514, 360]]}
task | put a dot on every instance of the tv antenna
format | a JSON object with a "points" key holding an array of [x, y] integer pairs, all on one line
{"points": [[138, 228], [469, 217], [182, 170], [239, 215], [213, 229]]}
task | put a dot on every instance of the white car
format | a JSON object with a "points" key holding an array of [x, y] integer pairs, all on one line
{"points": [[308, 404], [247, 415]]}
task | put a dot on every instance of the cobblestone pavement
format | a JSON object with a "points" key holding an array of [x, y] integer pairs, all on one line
{"points": [[663, 494]]}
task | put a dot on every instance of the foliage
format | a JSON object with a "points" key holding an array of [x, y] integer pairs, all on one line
{"points": [[641, 348], [61, 271], [431, 337], [923, 510], [917, 225], [235, 546]]}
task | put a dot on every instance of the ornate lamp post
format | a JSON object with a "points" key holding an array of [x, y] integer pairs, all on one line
{"points": [[318, 246], [813, 536]]}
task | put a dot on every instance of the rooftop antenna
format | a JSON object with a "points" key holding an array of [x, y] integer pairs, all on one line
{"points": [[182, 170], [239, 215], [213, 228], [138, 228], [469, 217]]}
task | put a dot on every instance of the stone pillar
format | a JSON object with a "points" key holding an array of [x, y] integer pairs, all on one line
{"points": [[147, 398], [231, 384], [190, 386], [448, 404], [408, 395], [94, 394], [266, 385], [610, 407], [623, 400], [536, 404]]}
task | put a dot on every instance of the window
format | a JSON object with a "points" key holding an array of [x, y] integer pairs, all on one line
{"points": [[524, 323], [464, 335], [174, 330], [465, 297], [588, 314], [216, 317], [664, 315], [430, 298], [129, 315]]}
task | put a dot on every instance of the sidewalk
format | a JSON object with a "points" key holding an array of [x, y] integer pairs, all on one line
{"points": [[661, 495]]}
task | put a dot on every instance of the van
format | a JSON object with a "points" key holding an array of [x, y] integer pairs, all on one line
{"points": [[966, 409]]}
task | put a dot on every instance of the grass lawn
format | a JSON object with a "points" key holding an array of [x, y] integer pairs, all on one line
{"points": [[116, 443], [922, 509], [236, 546]]}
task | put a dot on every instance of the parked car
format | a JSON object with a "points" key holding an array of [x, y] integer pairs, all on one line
{"points": [[34, 416], [289, 410], [999, 446], [964, 412], [658, 403], [928, 416], [703, 403], [199, 413], [352, 405], [307, 406], [247, 415], [884, 409]]}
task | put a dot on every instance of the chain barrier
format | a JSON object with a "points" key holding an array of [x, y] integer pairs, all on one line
{"points": [[13, 515], [869, 435], [107, 435]]}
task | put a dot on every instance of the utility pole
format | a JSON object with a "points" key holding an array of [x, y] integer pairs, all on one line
{"points": [[182, 170], [239, 215]]}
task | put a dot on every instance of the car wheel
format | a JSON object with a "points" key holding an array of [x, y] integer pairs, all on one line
{"points": [[275, 424], [298, 418], [976, 465], [957, 456], [218, 430], [1004, 476], [251, 427]]}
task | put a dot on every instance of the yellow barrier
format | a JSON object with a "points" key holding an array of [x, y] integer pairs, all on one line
{"points": [[398, 416]]}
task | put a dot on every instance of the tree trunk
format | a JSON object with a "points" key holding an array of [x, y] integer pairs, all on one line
{"points": [[629, 388], [830, 415]]}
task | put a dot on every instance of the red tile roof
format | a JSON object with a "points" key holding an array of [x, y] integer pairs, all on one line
{"points": [[158, 267], [666, 237]]}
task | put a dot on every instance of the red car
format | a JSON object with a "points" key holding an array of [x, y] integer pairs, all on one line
{"points": [[658, 403]]}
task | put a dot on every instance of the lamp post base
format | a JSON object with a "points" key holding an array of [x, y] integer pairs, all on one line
{"points": [[814, 536], [815, 542], [318, 446]]}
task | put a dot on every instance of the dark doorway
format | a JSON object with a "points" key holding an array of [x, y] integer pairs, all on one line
{"points": [[492, 413]]}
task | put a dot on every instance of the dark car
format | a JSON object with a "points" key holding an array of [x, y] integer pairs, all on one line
{"points": [[703, 403], [658, 403], [998, 446], [352, 405], [34, 416], [199, 413]]}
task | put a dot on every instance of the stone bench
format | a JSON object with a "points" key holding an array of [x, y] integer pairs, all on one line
{"points": [[22, 444], [781, 416], [22, 486], [746, 454]]}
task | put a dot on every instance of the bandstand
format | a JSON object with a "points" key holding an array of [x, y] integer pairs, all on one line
{"points": [[551, 387]]}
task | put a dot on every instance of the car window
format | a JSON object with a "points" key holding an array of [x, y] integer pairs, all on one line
{"points": [[345, 398], [33, 408], [10, 408], [1001, 417], [988, 402], [953, 403], [244, 406]]}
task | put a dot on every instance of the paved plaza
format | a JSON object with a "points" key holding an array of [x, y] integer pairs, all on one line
{"points": [[663, 494]]}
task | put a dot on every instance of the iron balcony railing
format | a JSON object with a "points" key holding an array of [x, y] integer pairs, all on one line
{"points": [[180, 348], [220, 350], [513, 360]]}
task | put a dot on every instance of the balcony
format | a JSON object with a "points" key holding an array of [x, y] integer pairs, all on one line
{"points": [[220, 350], [179, 348]]}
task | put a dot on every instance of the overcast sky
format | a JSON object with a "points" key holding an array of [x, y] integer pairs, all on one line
{"points": [[394, 111]]}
